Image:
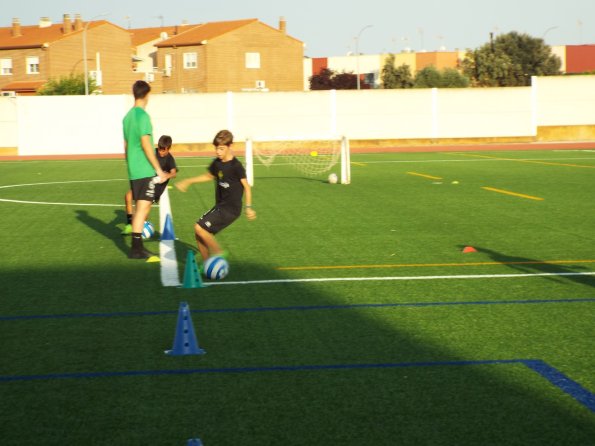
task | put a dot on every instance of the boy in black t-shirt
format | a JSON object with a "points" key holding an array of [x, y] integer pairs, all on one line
{"points": [[170, 169], [230, 185]]}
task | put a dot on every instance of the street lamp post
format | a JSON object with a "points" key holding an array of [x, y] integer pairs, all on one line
{"points": [[85, 51], [357, 52], [551, 28]]}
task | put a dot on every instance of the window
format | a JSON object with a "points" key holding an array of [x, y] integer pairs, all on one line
{"points": [[190, 60], [5, 67], [252, 60], [168, 65], [33, 65]]}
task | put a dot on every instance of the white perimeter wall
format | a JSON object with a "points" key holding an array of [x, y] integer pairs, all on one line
{"points": [[54, 125]]}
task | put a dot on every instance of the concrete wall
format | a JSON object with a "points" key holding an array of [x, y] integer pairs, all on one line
{"points": [[559, 108]]}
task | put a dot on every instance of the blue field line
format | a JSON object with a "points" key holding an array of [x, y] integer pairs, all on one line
{"points": [[297, 308], [563, 382], [555, 377]]}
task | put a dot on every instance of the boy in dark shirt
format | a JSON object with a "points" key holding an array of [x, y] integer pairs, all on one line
{"points": [[170, 169], [230, 186]]}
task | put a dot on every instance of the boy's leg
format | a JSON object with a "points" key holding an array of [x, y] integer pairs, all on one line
{"points": [[128, 203], [202, 248], [137, 250], [207, 244]]}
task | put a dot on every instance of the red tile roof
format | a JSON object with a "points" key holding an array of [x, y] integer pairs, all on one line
{"points": [[23, 86], [144, 35], [34, 36], [197, 34]]}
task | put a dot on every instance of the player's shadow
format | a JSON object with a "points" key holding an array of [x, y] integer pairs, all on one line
{"points": [[109, 230], [112, 231], [527, 265]]}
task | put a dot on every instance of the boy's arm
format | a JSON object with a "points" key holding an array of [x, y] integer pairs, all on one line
{"points": [[172, 173], [184, 184], [250, 213], [150, 154]]}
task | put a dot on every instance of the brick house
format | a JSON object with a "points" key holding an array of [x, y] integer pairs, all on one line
{"points": [[145, 52], [31, 55], [241, 55]]}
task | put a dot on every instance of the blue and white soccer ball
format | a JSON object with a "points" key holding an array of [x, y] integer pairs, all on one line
{"points": [[148, 230], [216, 268]]}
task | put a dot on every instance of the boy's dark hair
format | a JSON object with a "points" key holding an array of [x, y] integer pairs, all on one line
{"points": [[164, 142], [140, 89], [223, 138]]}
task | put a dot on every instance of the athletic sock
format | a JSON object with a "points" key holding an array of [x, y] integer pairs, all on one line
{"points": [[137, 242]]}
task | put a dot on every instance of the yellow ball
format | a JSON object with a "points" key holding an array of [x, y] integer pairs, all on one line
{"points": [[313, 153]]}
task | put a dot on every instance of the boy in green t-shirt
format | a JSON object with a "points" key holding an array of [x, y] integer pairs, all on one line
{"points": [[144, 170]]}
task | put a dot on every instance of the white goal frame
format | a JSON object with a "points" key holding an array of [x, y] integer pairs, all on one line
{"points": [[344, 155]]}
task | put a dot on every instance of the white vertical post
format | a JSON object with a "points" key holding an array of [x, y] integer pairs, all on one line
{"points": [[435, 122], [534, 105], [333, 112], [249, 162], [345, 161]]}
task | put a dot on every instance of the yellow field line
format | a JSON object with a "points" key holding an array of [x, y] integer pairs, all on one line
{"points": [[426, 265], [424, 175], [547, 163], [358, 164], [514, 194]]}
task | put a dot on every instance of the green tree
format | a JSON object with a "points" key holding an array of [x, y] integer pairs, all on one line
{"points": [[73, 84], [429, 77], [396, 77], [451, 78], [510, 60]]}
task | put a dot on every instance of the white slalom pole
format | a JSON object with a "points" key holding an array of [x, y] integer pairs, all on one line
{"points": [[167, 250], [345, 161]]}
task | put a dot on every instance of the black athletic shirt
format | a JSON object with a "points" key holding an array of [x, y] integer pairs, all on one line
{"points": [[228, 190]]}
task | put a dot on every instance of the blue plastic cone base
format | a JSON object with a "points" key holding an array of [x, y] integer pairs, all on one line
{"points": [[192, 277], [185, 342], [168, 229], [194, 442]]}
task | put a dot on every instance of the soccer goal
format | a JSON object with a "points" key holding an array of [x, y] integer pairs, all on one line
{"points": [[311, 157]]}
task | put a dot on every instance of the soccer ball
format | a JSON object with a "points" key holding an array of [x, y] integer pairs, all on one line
{"points": [[148, 230], [332, 178], [216, 268]]}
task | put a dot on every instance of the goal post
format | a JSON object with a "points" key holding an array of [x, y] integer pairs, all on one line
{"points": [[311, 157]]}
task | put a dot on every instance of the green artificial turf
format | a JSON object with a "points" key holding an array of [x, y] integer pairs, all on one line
{"points": [[401, 339]]}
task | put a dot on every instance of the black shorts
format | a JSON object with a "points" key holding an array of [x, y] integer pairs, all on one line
{"points": [[159, 189], [216, 220], [143, 189]]}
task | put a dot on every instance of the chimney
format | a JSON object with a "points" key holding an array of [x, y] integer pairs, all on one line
{"points": [[282, 25], [45, 22], [78, 22], [16, 28], [67, 28]]}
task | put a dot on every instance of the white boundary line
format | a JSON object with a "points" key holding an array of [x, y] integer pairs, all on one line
{"points": [[393, 278], [6, 200]]}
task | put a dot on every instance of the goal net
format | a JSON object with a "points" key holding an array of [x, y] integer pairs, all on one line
{"points": [[311, 157]]}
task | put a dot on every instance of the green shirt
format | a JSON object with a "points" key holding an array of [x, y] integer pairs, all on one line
{"points": [[136, 124]]}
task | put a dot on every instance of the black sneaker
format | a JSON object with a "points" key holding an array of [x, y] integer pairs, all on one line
{"points": [[140, 254]]}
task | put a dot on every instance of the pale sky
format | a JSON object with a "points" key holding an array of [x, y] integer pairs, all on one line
{"points": [[331, 27]]}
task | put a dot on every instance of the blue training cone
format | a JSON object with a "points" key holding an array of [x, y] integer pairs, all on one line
{"points": [[168, 229], [194, 442], [191, 274], [185, 339]]}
